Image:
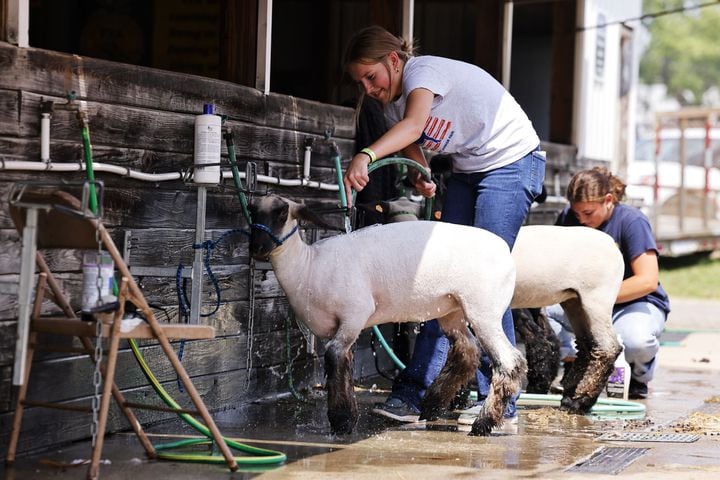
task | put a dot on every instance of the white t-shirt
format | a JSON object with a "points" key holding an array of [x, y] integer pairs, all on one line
{"points": [[473, 118]]}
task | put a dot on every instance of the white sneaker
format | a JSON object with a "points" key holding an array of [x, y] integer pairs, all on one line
{"points": [[469, 419], [474, 410]]}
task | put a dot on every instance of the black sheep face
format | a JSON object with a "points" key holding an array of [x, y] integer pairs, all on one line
{"points": [[273, 213]]}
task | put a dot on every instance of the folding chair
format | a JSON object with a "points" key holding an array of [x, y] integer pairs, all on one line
{"points": [[60, 221]]}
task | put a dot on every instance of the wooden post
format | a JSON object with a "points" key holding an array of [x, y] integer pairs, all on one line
{"points": [[264, 46], [197, 270], [16, 25], [27, 272]]}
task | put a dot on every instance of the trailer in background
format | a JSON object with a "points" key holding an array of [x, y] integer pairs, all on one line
{"points": [[676, 178]]}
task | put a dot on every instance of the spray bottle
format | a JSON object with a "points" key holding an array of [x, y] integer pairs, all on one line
{"points": [[208, 142], [618, 384]]}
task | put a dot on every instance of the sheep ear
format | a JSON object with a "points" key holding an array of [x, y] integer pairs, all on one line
{"points": [[304, 212]]}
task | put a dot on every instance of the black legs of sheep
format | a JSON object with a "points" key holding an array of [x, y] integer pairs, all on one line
{"points": [[542, 348], [597, 350], [508, 370], [342, 406], [463, 358]]}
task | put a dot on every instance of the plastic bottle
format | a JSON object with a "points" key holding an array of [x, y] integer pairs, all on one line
{"points": [[96, 294], [208, 143], [618, 384]]}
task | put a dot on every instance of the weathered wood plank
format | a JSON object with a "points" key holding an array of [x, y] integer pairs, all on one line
{"points": [[142, 246], [44, 427], [10, 108], [5, 388], [171, 207], [54, 74], [149, 161], [232, 318], [70, 377], [132, 127], [8, 331]]}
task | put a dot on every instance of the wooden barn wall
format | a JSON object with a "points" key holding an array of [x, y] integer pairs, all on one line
{"points": [[143, 119]]}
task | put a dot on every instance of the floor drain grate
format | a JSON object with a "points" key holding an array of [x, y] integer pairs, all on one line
{"points": [[609, 460], [649, 437]]}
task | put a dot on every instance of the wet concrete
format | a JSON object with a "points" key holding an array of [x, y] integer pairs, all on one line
{"points": [[684, 398]]}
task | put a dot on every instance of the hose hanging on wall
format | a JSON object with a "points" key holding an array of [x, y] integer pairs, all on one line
{"points": [[428, 214]]}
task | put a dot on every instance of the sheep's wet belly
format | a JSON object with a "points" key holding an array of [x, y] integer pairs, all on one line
{"points": [[400, 309], [320, 324]]}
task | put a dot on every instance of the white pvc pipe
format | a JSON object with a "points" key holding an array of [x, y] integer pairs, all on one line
{"points": [[306, 162], [153, 177], [45, 137]]}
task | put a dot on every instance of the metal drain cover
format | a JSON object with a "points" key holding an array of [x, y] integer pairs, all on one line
{"points": [[649, 437], [609, 460]]}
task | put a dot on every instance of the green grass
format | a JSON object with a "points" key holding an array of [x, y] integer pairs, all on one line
{"points": [[694, 276]]}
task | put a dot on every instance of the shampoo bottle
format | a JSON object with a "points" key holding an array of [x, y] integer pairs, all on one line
{"points": [[619, 382], [208, 142]]}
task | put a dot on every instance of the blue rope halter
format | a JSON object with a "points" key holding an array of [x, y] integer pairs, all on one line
{"points": [[273, 237]]}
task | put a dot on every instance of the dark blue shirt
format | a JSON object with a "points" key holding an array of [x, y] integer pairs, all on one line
{"points": [[632, 233]]}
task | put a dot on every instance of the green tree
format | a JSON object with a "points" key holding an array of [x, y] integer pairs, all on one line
{"points": [[684, 49]]}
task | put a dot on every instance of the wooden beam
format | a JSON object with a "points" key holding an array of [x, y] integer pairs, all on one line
{"points": [[17, 22], [408, 18], [507, 32], [264, 46]]}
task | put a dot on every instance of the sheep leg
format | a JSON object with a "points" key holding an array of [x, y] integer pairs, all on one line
{"points": [[509, 367], [463, 359], [597, 350], [542, 348], [342, 405]]}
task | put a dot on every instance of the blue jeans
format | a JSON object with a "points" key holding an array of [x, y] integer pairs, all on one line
{"points": [[497, 201], [639, 325]]}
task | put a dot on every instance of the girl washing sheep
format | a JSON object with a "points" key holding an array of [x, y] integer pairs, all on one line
{"points": [[642, 305], [446, 106]]}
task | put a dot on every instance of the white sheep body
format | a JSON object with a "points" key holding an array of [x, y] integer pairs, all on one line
{"points": [[582, 269], [578, 267], [411, 271], [403, 272], [554, 264]]}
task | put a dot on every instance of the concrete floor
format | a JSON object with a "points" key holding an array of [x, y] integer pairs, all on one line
{"points": [[545, 444]]}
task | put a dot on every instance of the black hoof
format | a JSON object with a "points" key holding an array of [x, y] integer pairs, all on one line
{"points": [[482, 427], [579, 405], [341, 423], [430, 412]]}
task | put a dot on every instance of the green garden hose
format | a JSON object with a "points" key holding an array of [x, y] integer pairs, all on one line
{"points": [[603, 405], [89, 172], [230, 143], [428, 214], [262, 456]]}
